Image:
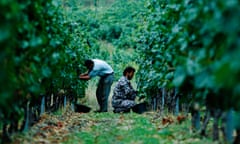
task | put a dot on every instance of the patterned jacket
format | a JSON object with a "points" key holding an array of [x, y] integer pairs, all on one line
{"points": [[123, 91]]}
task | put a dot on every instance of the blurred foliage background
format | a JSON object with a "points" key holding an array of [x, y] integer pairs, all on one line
{"points": [[191, 46]]}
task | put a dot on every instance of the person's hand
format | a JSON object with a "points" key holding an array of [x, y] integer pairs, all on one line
{"points": [[136, 92], [84, 77], [141, 97]]}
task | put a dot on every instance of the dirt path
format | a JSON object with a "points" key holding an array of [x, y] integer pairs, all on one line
{"points": [[105, 128]]}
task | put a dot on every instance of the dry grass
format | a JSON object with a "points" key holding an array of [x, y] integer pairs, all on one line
{"points": [[90, 98]]}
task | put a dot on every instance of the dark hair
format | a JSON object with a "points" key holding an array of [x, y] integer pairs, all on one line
{"points": [[128, 69], [88, 62]]}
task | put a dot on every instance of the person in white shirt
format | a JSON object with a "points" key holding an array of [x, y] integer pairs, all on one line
{"points": [[97, 67]]}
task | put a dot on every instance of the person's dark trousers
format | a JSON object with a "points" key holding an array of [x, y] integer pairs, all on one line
{"points": [[121, 110], [103, 91]]}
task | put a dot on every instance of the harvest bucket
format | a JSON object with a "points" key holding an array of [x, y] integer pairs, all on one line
{"points": [[140, 108], [81, 108]]}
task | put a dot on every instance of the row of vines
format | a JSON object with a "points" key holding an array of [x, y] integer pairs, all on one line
{"points": [[191, 48], [41, 57], [109, 29], [189, 55]]}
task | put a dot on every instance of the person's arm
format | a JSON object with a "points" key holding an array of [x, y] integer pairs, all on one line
{"points": [[86, 73], [129, 91], [84, 76]]}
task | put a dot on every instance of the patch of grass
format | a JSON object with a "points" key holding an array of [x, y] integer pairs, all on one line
{"points": [[81, 137], [104, 128], [58, 112], [118, 128], [134, 128]]}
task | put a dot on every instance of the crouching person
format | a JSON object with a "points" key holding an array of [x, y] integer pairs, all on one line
{"points": [[124, 95]]}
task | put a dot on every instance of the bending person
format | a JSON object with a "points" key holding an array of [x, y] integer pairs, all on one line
{"points": [[102, 69]]}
